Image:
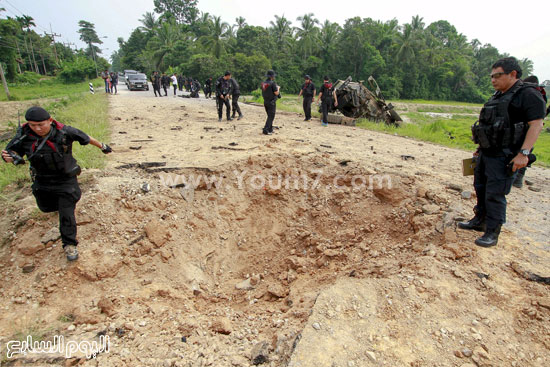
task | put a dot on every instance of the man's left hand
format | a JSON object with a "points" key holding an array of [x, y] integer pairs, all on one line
{"points": [[519, 161]]}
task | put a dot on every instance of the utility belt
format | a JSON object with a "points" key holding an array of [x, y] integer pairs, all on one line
{"points": [[497, 135]]}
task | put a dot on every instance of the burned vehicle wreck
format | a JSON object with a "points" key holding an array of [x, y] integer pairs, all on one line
{"points": [[356, 101]]}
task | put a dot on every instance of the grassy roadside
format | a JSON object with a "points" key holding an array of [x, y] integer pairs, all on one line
{"points": [[48, 87], [452, 131], [86, 112]]}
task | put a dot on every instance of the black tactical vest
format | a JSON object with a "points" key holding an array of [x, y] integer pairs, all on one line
{"points": [[53, 158], [494, 130]]}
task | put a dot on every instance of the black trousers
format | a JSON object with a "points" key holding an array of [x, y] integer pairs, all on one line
{"points": [[157, 90], [270, 109], [175, 88], [207, 92], [235, 104], [62, 199], [324, 107], [221, 102], [307, 106], [492, 183]]}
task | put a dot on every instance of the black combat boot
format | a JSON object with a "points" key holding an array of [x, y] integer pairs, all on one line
{"points": [[476, 224], [489, 238], [518, 181]]}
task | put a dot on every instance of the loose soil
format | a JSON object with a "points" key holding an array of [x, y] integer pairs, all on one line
{"points": [[314, 246]]}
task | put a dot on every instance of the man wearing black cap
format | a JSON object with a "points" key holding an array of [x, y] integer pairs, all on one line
{"points": [[308, 92], [270, 93], [223, 91], [48, 147]]}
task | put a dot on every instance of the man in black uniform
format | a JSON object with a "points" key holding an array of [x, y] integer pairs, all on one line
{"points": [[48, 147], [327, 95], [235, 93], [195, 88], [508, 127], [270, 93], [165, 81], [223, 91], [208, 88], [308, 93], [180, 82], [156, 80]]}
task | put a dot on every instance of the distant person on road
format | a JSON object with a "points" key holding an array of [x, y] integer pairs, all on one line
{"points": [[208, 88], [174, 79], [114, 82], [308, 93], [156, 80], [518, 182], [180, 82], [105, 77], [327, 95], [48, 147], [223, 91], [165, 81], [508, 127], [270, 92], [235, 93]]}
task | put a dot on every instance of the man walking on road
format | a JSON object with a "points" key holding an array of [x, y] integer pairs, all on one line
{"points": [[235, 93], [308, 93], [223, 91], [270, 92]]}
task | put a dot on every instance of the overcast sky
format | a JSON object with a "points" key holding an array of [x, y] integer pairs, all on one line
{"points": [[500, 23]]}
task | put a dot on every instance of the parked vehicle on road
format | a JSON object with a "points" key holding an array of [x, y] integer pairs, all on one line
{"points": [[137, 81]]}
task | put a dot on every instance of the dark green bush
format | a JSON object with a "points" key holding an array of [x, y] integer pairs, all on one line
{"points": [[77, 71]]}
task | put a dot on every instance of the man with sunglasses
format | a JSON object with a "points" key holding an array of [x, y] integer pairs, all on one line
{"points": [[508, 127]]}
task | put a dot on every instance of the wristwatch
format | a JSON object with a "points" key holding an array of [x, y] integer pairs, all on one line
{"points": [[525, 152]]}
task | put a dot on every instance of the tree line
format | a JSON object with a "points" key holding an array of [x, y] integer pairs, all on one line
{"points": [[409, 61], [26, 54]]}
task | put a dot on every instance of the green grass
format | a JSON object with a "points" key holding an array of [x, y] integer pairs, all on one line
{"points": [[48, 87], [86, 112]]}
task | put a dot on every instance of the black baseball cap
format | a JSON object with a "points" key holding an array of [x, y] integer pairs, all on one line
{"points": [[36, 114], [270, 73], [307, 77], [227, 73]]}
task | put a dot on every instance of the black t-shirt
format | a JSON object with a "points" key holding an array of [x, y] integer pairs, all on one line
{"points": [[308, 89], [235, 87], [269, 87], [326, 91], [527, 105]]}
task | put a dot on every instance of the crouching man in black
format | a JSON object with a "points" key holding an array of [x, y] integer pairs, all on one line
{"points": [[48, 147]]}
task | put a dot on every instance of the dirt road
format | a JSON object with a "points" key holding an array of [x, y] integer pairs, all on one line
{"points": [[286, 249]]}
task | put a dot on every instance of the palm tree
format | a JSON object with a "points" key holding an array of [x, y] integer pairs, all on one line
{"points": [[215, 41], [240, 22], [407, 44], [26, 22], [164, 42], [329, 38], [149, 21], [282, 31], [307, 33]]}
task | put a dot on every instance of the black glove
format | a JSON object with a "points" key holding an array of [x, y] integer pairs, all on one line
{"points": [[105, 148]]}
